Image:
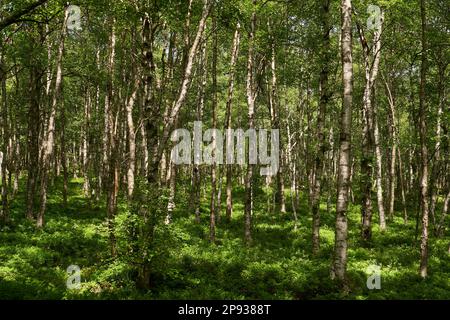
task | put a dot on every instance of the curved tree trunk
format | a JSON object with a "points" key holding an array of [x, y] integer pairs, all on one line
{"points": [[156, 148]]}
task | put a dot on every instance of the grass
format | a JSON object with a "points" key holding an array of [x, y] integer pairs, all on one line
{"points": [[278, 265]]}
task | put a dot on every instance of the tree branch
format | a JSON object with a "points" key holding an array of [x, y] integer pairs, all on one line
{"points": [[15, 17]]}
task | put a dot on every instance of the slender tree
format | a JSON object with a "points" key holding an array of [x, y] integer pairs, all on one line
{"points": [[213, 213], [48, 144], [340, 247], [234, 56], [321, 141], [423, 111], [251, 98]]}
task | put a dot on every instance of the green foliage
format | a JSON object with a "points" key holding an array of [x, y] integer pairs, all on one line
{"points": [[182, 261], [186, 266]]}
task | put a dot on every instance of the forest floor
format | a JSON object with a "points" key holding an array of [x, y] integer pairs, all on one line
{"points": [[277, 266]]}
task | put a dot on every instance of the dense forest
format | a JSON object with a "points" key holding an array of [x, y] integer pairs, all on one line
{"points": [[119, 173]]}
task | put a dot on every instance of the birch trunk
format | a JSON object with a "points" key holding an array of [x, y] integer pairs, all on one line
{"points": [[340, 248], [435, 185], [371, 137], [112, 143], [131, 139], [49, 136], [212, 222], [423, 111], [85, 145], [157, 149], [394, 146], [196, 194], [33, 142], [321, 147], [234, 56], [5, 165], [251, 97]]}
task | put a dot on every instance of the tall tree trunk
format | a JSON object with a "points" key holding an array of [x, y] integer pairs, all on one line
{"points": [[85, 144], [251, 97], [151, 109], [379, 166], [33, 140], [423, 110], [49, 136], [402, 185], [112, 143], [292, 168], [156, 144], [172, 192], [16, 166], [234, 56], [370, 136], [321, 147], [212, 222], [63, 154], [340, 249], [196, 194], [156, 149], [219, 196], [143, 146], [441, 227], [5, 165], [274, 104], [394, 145], [131, 139], [434, 180], [99, 140]]}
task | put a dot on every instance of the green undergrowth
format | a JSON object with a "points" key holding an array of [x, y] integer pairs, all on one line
{"points": [[277, 265]]}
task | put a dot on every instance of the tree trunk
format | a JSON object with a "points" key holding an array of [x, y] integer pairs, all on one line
{"points": [[196, 194], [441, 227], [423, 110], [402, 185], [5, 165], [292, 168], [99, 140], [112, 144], [370, 136], [131, 139], [251, 97], [435, 186], [379, 167], [156, 149], [340, 250], [234, 56], [63, 154], [85, 145], [33, 141], [212, 222], [321, 147], [49, 135], [172, 192], [394, 146], [275, 123]]}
